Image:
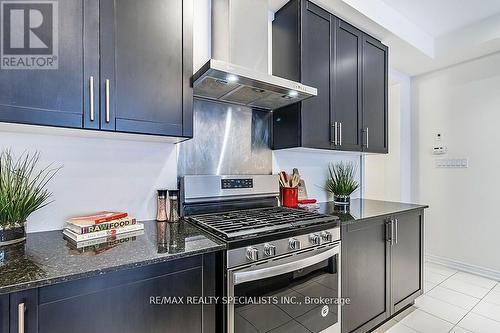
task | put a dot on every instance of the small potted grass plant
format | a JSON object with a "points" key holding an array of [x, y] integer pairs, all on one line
{"points": [[342, 182], [23, 190]]}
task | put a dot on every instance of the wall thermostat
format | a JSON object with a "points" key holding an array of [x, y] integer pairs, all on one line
{"points": [[439, 150]]}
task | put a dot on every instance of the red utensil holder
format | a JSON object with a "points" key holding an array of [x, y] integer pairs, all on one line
{"points": [[290, 197]]}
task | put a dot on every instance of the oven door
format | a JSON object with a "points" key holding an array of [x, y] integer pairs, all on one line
{"points": [[293, 293]]}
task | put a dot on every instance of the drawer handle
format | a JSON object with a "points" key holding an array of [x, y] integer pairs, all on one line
{"points": [[107, 100], [21, 309], [91, 93]]}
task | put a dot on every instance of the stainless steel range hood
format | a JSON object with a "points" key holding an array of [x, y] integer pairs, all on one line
{"points": [[226, 82], [237, 73]]}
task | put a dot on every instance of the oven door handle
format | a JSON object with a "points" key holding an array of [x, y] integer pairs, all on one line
{"points": [[258, 273]]}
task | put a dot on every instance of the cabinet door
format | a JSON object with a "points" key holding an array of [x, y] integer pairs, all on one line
{"points": [[146, 64], [4, 313], [24, 311], [126, 308], [315, 113], [407, 259], [346, 86], [365, 273], [60, 57], [375, 87]]}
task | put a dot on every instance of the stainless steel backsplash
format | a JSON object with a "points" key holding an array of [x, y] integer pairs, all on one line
{"points": [[228, 140]]}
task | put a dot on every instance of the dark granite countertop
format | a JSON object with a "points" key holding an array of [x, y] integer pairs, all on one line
{"points": [[47, 258], [362, 209]]}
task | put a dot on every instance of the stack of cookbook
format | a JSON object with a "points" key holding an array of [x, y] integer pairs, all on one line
{"points": [[100, 227]]}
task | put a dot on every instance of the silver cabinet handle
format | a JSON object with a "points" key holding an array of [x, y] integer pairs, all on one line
{"points": [[395, 231], [21, 308], [340, 134], [389, 231], [367, 137], [335, 136], [91, 94], [107, 100]]}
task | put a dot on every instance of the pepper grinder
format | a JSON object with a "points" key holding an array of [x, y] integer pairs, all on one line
{"points": [[161, 207], [173, 197]]}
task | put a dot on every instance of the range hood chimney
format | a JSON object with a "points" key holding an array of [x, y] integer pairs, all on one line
{"points": [[237, 72]]}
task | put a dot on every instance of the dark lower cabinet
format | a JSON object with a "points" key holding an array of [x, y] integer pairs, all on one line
{"points": [[382, 268], [365, 277], [24, 311], [407, 260], [4, 313], [127, 301]]}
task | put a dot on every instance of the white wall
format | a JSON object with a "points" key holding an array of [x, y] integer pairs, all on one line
{"points": [[383, 171], [313, 167], [462, 103], [98, 173]]}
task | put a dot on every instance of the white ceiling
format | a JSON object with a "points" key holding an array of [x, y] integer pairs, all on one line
{"points": [[437, 17], [423, 35]]}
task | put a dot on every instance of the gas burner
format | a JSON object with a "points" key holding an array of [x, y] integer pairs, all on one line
{"points": [[249, 222]]}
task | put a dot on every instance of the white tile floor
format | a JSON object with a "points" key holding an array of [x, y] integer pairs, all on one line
{"points": [[454, 302]]}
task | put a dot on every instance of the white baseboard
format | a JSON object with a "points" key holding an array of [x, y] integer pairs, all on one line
{"points": [[464, 267]]}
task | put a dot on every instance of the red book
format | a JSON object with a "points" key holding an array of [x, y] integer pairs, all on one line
{"points": [[97, 218]]}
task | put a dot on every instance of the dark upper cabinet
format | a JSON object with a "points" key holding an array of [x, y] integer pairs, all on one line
{"points": [[301, 52], [146, 65], [346, 86], [382, 268], [58, 96], [123, 66], [365, 278], [375, 90], [314, 47]]}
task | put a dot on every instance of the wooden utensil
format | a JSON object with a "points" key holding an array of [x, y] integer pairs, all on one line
{"points": [[294, 182]]}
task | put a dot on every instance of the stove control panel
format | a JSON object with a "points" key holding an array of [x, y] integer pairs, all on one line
{"points": [[275, 248], [236, 183]]}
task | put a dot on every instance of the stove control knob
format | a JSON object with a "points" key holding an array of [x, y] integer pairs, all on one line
{"points": [[294, 244], [326, 236], [315, 239], [252, 253], [269, 250]]}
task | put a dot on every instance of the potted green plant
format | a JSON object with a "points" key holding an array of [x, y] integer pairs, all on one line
{"points": [[342, 182], [23, 190]]}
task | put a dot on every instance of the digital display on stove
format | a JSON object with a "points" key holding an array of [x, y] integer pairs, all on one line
{"points": [[236, 183]]}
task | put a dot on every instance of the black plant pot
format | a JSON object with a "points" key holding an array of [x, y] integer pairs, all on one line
{"points": [[342, 200], [12, 235]]}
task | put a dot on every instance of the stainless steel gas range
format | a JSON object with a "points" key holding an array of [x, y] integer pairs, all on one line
{"points": [[282, 265]]}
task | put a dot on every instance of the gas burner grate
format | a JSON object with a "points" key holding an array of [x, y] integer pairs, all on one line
{"points": [[248, 222]]}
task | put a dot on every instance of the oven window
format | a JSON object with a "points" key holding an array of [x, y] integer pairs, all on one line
{"points": [[300, 301]]}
